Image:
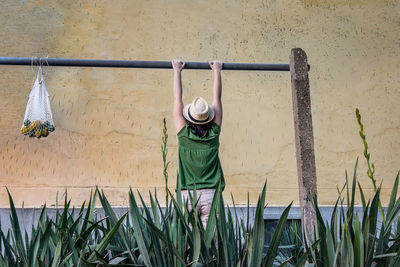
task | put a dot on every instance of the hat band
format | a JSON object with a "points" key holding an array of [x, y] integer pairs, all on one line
{"points": [[193, 119]]}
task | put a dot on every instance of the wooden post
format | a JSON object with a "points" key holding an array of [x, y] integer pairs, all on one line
{"points": [[304, 138]]}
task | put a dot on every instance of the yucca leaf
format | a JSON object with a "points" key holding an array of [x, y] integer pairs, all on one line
{"points": [[182, 232], [393, 208], [391, 217], [222, 234], [347, 191], [333, 225], [27, 245], [386, 255], [159, 233], [343, 252], [106, 239], [330, 247], [368, 245], [89, 211], [66, 259], [231, 239], [238, 234], [196, 242], [116, 260], [182, 219], [362, 198], [71, 229], [74, 252], [195, 221], [358, 244], [211, 223], [353, 191], [309, 253], [321, 230], [64, 216], [180, 222], [138, 228], [268, 260], [257, 235], [153, 240], [169, 243], [393, 195], [373, 214], [2, 262], [82, 208], [395, 248], [349, 246], [145, 211], [42, 219], [82, 238], [16, 230], [222, 259], [113, 219], [86, 263], [57, 253], [44, 242], [34, 248], [9, 252], [156, 218]]}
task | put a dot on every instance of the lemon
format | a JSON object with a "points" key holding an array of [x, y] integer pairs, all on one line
{"points": [[45, 132], [34, 126], [31, 133], [38, 133], [24, 130]]}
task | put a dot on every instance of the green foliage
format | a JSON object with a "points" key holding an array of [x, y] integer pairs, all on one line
{"points": [[145, 237], [175, 236], [348, 240], [352, 241]]}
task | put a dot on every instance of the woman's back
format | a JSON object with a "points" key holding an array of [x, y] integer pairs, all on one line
{"points": [[199, 164]]}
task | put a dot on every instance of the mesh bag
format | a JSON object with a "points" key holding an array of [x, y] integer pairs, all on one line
{"points": [[38, 120]]}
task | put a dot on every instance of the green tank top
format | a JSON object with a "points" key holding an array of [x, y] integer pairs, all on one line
{"points": [[199, 164]]}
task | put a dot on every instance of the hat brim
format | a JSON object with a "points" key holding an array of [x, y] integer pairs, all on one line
{"points": [[185, 112]]}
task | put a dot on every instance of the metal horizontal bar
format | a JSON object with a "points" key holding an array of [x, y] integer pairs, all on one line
{"points": [[67, 62]]}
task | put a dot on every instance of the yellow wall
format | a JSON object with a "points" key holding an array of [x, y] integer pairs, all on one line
{"points": [[109, 121]]}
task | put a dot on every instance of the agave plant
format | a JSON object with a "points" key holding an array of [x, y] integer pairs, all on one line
{"points": [[350, 239], [149, 235], [64, 240], [353, 240], [292, 248]]}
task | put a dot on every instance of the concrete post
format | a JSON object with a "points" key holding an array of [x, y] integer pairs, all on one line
{"points": [[304, 138]]}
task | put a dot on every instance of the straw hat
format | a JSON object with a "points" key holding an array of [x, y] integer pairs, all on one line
{"points": [[198, 112]]}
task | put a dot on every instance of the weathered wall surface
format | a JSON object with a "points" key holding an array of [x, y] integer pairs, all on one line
{"points": [[109, 121]]}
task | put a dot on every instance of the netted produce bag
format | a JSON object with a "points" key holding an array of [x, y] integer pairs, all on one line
{"points": [[38, 120]]}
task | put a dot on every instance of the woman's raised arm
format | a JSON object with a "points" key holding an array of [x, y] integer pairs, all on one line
{"points": [[179, 120], [216, 67]]}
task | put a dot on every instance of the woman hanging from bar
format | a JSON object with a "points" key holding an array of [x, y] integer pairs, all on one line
{"points": [[198, 126]]}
